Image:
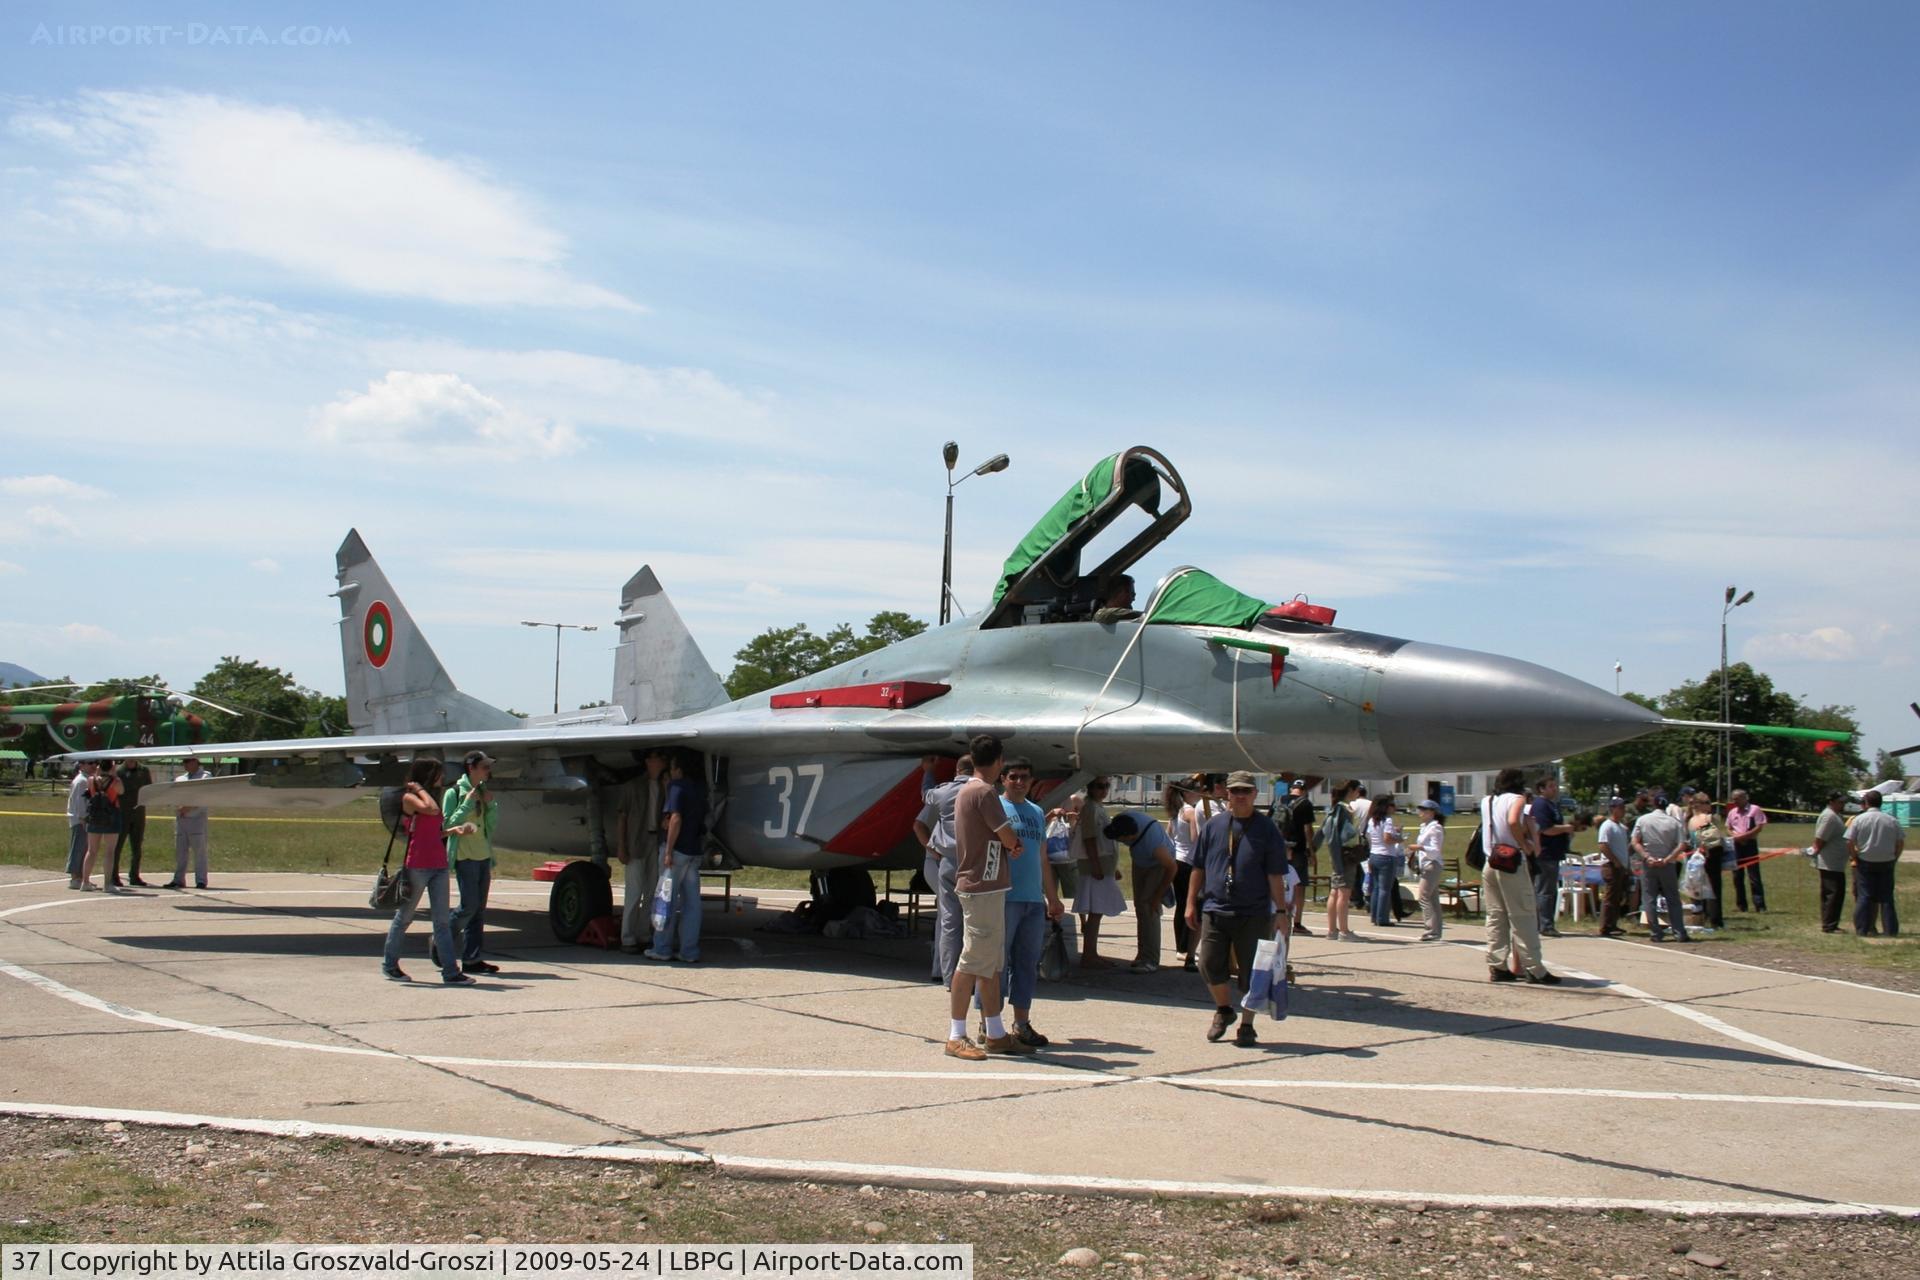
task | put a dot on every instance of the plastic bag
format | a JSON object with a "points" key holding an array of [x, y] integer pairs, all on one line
{"points": [[1053, 955], [663, 898], [1267, 984], [1696, 884]]}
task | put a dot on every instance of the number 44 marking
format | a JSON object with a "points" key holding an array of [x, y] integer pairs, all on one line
{"points": [[782, 776]]}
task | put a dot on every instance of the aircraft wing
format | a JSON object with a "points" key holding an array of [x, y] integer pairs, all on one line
{"points": [[1033, 728]]}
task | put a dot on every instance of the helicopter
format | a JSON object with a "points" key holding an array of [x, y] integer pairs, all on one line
{"points": [[141, 717]]}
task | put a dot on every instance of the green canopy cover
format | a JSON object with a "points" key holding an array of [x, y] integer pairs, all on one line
{"points": [[1199, 599]]}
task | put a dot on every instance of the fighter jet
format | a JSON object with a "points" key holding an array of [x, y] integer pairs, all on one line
{"points": [[826, 772]]}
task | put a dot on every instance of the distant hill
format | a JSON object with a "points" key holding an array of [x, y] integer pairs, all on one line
{"points": [[12, 675]]}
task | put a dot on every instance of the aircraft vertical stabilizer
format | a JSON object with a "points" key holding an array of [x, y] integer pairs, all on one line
{"points": [[659, 672], [395, 683]]}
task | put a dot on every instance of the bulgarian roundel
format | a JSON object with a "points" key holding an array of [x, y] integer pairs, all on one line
{"points": [[376, 633]]}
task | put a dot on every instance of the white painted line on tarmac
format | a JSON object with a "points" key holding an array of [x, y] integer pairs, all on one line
{"points": [[927, 1176], [1041, 1075], [1732, 1032], [1697, 954], [22, 884]]}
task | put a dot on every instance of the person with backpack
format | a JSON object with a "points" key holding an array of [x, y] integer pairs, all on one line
{"points": [[1513, 916], [425, 867], [1341, 839]]}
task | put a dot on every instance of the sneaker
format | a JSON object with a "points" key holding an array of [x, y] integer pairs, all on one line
{"points": [[1007, 1046], [115, 883], [199, 884], [1544, 979], [480, 966], [1143, 966], [1613, 933], [1351, 936], [1686, 937], [1244, 1037], [965, 1050], [1028, 1036], [1429, 937], [173, 884], [138, 883], [458, 980], [1222, 1019], [1301, 931], [394, 974], [1656, 937], [1189, 965], [1549, 932], [1500, 975]]}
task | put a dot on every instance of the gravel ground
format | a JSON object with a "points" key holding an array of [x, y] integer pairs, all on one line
{"points": [[75, 1181]]}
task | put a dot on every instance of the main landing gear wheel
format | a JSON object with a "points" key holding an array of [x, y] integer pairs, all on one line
{"points": [[582, 892]]}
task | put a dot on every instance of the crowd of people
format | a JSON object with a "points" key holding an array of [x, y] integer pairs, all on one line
{"points": [[106, 815], [1234, 876]]}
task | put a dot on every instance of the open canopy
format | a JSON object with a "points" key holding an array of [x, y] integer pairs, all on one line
{"points": [[1043, 580]]}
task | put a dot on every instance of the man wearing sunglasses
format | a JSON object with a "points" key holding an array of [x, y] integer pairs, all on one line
{"points": [[1242, 878]]}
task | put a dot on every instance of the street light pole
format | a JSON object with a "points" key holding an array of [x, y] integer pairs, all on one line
{"points": [[558, 627], [1728, 605], [950, 454]]}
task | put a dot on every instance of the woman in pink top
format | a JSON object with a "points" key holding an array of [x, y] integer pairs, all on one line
{"points": [[426, 871]]}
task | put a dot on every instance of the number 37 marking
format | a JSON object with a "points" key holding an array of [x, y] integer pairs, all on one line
{"points": [[782, 776]]}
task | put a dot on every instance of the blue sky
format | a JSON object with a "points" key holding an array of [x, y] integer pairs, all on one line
{"points": [[1526, 328]]}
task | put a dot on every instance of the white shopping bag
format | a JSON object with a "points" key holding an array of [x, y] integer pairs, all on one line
{"points": [[1267, 984], [663, 898]]}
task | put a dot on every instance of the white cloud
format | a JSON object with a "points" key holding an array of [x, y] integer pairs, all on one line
{"points": [[265, 564], [9, 567], [86, 633], [601, 391], [1822, 644], [348, 202], [44, 486], [438, 410], [50, 521]]}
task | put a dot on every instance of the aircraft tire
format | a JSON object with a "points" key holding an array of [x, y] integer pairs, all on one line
{"points": [[582, 892]]}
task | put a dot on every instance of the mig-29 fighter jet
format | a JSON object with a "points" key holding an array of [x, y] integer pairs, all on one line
{"points": [[825, 772]]}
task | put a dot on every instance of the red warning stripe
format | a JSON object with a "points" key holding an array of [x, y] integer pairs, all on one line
{"points": [[894, 695], [883, 826]]}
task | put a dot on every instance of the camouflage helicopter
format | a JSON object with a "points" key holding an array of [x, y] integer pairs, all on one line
{"points": [[145, 717], [825, 773]]}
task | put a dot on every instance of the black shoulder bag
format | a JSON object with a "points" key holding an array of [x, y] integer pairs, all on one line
{"points": [[391, 892]]}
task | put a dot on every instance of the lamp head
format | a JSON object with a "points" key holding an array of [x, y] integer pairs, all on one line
{"points": [[1729, 595], [998, 462], [950, 451], [1743, 599]]}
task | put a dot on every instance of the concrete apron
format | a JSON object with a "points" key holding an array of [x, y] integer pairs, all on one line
{"points": [[1660, 1079]]}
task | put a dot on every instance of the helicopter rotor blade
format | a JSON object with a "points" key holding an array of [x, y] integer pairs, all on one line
{"points": [[235, 710], [40, 688]]}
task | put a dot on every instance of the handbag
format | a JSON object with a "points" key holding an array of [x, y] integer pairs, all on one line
{"points": [[1476, 851], [391, 892], [1267, 980], [1501, 857]]}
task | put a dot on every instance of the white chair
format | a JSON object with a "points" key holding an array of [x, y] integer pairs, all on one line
{"points": [[1577, 887]]}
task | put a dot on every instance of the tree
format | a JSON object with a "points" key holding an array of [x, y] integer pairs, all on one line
{"points": [[780, 655], [269, 702], [1780, 772], [1887, 765]]}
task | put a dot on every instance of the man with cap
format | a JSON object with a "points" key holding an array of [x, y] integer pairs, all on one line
{"points": [[190, 833], [468, 812], [1876, 841], [1294, 816], [1829, 850], [1240, 877], [1429, 860], [1616, 873]]}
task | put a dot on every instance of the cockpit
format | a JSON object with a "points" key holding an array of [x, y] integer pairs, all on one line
{"points": [[1045, 580]]}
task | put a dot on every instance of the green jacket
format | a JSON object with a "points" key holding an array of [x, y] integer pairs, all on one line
{"points": [[460, 806]]}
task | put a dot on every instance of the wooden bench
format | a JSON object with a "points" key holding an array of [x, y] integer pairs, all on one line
{"points": [[917, 896]]}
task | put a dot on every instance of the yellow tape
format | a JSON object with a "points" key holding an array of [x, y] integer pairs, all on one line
{"points": [[168, 817]]}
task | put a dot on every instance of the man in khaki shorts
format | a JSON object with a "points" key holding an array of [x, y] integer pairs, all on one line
{"points": [[984, 842]]}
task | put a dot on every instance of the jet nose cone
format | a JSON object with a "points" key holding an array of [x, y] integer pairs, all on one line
{"points": [[1443, 708]]}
